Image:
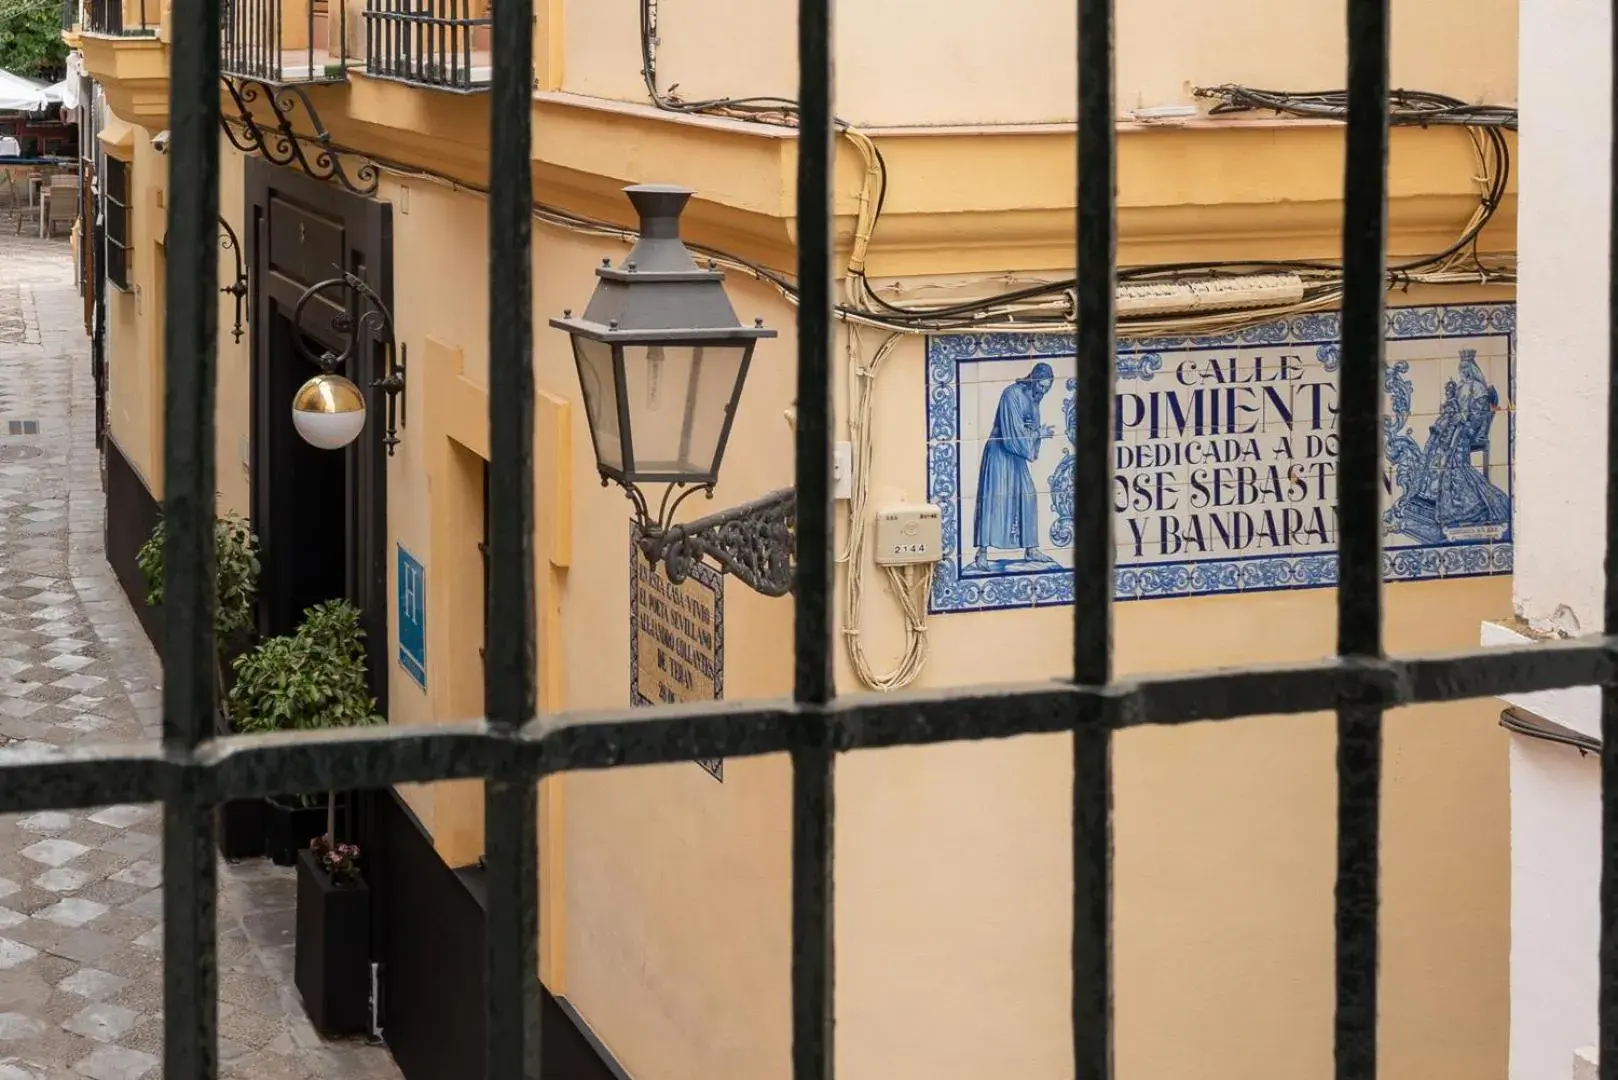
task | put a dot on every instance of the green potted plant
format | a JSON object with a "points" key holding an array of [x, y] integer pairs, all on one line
{"points": [[311, 679], [236, 570], [331, 958]]}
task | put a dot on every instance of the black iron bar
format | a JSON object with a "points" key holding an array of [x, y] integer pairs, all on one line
{"points": [[1607, 985], [421, 11], [460, 43], [190, 982], [814, 763], [1359, 494], [510, 793], [1093, 544], [249, 766]]}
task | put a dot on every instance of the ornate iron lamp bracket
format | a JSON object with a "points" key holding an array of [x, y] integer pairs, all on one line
{"points": [[373, 322], [753, 543], [281, 143], [229, 241]]}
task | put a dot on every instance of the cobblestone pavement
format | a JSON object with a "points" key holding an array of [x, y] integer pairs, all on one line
{"points": [[81, 990]]}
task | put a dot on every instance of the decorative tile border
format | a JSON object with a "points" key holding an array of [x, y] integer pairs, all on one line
{"points": [[704, 575], [1422, 542]]}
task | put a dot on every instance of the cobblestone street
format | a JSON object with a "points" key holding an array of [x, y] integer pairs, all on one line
{"points": [[80, 893]]}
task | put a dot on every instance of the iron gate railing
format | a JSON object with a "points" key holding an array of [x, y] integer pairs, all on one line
{"points": [[512, 749], [109, 17], [437, 43], [272, 41]]}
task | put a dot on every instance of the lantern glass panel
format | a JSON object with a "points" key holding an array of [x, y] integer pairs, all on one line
{"points": [[679, 400], [600, 389]]}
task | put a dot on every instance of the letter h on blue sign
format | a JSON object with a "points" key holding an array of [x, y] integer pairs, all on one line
{"points": [[412, 617]]}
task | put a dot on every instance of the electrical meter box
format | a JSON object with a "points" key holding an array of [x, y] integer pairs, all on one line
{"points": [[908, 534]]}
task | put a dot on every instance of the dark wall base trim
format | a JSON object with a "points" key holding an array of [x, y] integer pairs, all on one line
{"points": [[615, 1070], [132, 514], [433, 921]]}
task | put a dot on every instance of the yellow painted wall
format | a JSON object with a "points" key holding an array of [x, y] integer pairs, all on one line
{"points": [[135, 320], [953, 876], [953, 887], [953, 880], [234, 383], [904, 62]]}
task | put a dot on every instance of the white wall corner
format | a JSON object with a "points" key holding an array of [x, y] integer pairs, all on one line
{"points": [[1584, 1063], [1578, 708], [1564, 73]]}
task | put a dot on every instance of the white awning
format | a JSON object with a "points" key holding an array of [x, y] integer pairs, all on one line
{"points": [[18, 94]]}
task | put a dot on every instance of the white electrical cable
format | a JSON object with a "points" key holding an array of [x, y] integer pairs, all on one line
{"points": [[908, 589]]}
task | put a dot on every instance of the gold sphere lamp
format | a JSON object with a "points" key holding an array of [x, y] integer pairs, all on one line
{"points": [[328, 411]]}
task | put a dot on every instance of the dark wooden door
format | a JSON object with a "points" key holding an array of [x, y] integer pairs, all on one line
{"points": [[321, 516]]}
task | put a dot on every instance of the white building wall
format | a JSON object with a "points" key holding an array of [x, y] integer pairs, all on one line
{"points": [[1564, 169], [1555, 871]]}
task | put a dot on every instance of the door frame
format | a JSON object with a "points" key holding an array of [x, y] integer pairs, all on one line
{"points": [[367, 226]]}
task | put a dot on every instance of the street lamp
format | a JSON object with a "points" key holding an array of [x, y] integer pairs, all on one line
{"points": [[662, 360], [329, 411]]}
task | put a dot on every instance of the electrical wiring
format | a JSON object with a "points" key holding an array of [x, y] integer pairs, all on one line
{"points": [[909, 586], [1417, 107], [1036, 305], [1049, 305]]}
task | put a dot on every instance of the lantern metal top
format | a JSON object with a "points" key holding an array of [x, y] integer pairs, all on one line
{"points": [[659, 294]]}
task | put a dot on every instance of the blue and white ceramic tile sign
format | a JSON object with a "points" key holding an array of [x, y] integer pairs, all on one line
{"points": [[412, 617], [1224, 458]]}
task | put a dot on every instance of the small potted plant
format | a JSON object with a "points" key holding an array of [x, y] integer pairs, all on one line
{"points": [[311, 679], [236, 570], [331, 962]]}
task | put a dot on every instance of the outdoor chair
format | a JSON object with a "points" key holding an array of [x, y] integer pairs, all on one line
{"points": [[63, 208]]}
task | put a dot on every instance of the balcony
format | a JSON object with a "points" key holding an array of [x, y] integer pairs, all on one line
{"points": [[122, 18], [442, 44], [284, 41]]}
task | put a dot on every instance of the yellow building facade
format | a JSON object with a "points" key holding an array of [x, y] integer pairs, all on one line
{"points": [[665, 891]]}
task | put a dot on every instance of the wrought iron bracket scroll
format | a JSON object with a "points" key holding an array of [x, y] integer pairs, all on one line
{"points": [[363, 315], [280, 141], [229, 241], [753, 543]]}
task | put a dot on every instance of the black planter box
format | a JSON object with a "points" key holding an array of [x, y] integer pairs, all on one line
{"points": [[332, 962], [240, 822], [241, 827], [289, 826]]}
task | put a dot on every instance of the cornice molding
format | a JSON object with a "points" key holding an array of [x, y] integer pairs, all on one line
{"points": [[133, 73], [959, 200]]}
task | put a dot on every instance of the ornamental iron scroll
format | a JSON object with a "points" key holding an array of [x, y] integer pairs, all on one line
{"points": [[753, 542], [229, 241], [374, 322], [281, 143]]}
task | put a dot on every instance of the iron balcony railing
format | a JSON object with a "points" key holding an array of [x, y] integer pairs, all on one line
{"points": [[70, 14], [439, 43], [284, 41], [122, 18], [192, 771]]}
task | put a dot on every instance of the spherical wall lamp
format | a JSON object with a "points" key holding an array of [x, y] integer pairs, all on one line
{"points": [[328, 412]]}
